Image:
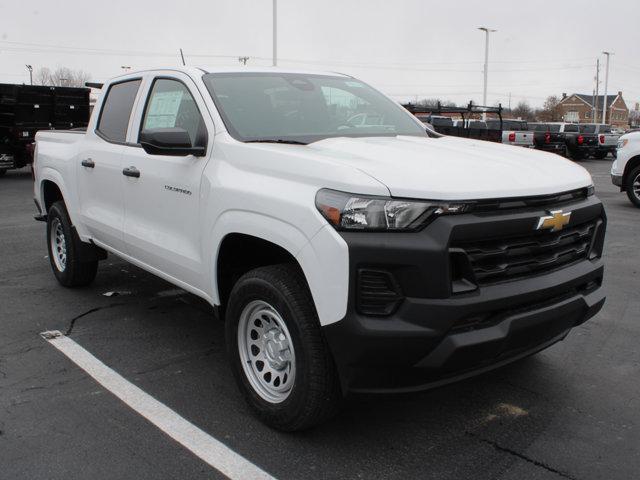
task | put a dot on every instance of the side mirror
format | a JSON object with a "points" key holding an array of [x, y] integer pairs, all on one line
{"points": [[169, 141]]}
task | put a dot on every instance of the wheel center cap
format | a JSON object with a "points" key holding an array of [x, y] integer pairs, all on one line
{"points": [[276, 348]]}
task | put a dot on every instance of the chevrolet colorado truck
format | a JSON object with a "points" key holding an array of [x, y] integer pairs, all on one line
{"points": [[625, 170], [369, 258]]}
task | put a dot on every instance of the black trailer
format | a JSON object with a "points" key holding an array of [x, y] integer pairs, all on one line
{"points": [[467, 128], [25, 109]]}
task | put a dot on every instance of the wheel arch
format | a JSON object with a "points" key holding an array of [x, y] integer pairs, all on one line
{"points": [[632, 163], [240, 253]]}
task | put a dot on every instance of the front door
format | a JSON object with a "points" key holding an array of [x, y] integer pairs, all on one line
{"points": [[162, 204]]}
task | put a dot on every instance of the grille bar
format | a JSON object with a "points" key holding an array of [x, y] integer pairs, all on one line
{"points": [[503, 259]]}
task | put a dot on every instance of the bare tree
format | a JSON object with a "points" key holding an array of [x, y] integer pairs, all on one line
{"points": [[550, 111], [433, 103], [524, 111], [61, 77]]}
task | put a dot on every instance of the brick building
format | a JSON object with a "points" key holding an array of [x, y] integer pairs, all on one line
{"points": [[579, 108]]}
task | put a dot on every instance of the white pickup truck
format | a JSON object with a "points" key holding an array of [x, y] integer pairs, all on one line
{"points": [[366, 258], [625, 170], [514, 132]]}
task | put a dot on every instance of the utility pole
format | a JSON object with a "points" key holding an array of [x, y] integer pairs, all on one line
{"points": [[182, 56], [275, 33], [595, 97], [487, 31], [30, 68], [509, 103], [606, 86]]}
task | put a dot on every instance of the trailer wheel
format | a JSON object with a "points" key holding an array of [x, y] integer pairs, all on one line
{"points": [[279, 356], [65, 250]]}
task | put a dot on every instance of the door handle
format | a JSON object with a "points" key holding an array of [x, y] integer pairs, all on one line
{"points": [[131, 172], [87, 162]]}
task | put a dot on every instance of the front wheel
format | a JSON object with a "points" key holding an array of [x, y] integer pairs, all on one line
{"points": [[279, 356], [633, 187], [65, 250]]}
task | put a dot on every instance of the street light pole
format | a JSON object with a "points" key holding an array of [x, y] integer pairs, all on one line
{"points": [[606, 85], [275, 33], [487, 31], [30, 68]]}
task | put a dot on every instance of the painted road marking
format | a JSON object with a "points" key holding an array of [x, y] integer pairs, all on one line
{"points": [[200, 443]]}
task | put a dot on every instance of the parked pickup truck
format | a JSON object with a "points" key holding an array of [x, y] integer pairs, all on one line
{"points": [[547, 137], [579, 145], [514, 132], [625, 170], [605, 139], [343, 259]]}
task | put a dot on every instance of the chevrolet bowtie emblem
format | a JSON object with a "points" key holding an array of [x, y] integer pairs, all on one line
{"points": [[556, 220]]}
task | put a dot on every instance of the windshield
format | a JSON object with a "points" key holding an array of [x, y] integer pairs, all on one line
{"points": [[302, 108]]}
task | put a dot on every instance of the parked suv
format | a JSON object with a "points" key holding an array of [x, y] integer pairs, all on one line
{"points": [[625, 171], [343, 258]]}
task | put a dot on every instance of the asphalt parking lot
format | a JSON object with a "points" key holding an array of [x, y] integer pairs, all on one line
{"points": [[572, 411]]}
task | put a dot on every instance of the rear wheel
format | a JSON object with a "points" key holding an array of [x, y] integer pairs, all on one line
{"points": [[279, 357], [600, 155], [2, 172], [633, 187], [65, 248]]}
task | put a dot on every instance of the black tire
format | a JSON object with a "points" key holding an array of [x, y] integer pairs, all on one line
{"points": [[600, 155], [634, 180], [3, 172], [315, 394], [76, 271]]}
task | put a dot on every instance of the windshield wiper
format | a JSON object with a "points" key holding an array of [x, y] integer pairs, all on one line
{"points": [[276, 140]]}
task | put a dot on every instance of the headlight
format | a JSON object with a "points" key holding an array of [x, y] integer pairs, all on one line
{"points": [[347, 211], [622, 143]]}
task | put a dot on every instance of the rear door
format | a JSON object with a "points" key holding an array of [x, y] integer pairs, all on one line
{"points": [[162, 205], [99, 166]]}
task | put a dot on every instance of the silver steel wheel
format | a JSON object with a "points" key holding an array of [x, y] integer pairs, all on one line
{"points": [[58, 245], [636, 186], [266, 351]]}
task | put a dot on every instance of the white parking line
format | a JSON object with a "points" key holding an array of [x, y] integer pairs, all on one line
{"points": [[203, 445]]}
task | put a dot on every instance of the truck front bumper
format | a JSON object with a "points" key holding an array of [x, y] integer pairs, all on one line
{"points": [[616, 180], [435, 334]]}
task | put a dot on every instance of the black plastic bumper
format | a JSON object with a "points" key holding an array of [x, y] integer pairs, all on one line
{"points": [[617, 180], [436, 336]]}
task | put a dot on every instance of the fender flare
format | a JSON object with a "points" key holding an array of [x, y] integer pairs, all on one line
{"points": [[276, 231], [327, 281]]}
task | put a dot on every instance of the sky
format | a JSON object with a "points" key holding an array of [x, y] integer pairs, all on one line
{"points": [[407, 48]]}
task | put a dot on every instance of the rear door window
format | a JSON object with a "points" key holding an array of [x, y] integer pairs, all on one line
{"points": [[116, 111]]}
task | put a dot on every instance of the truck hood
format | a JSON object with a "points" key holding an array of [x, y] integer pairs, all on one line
{"points": [[451, 168]]}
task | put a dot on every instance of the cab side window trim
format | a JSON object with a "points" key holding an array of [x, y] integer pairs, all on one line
{"points": [[149, 95]]}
